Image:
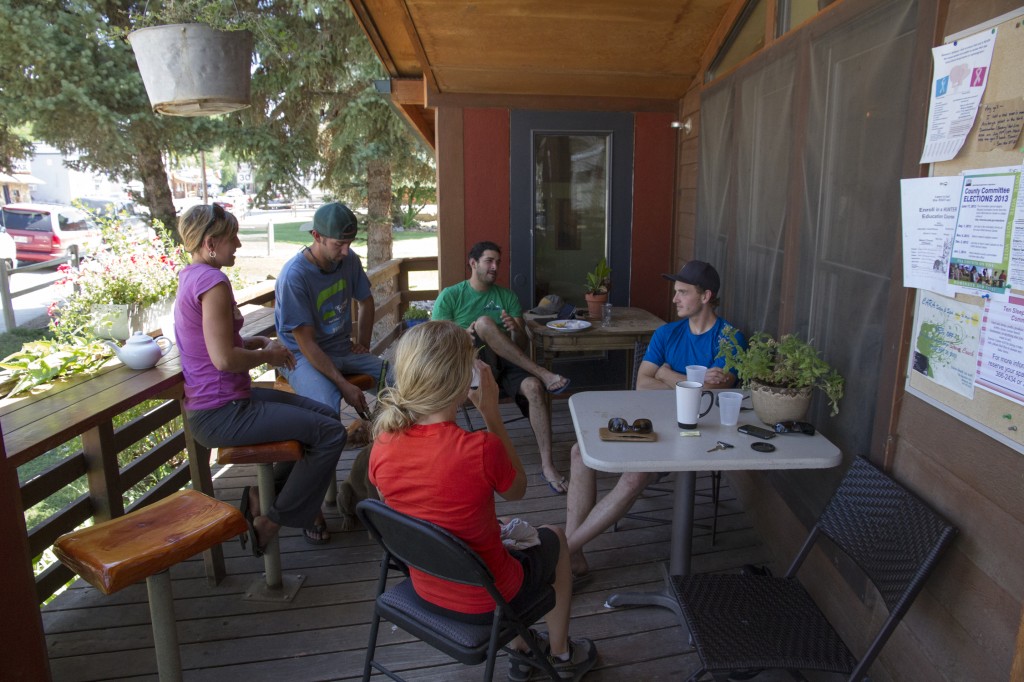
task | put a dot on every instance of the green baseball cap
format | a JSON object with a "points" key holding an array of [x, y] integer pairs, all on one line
{"points": [[335, 221]]}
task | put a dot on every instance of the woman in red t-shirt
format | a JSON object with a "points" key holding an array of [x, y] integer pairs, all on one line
{"points": [[426, 466]]}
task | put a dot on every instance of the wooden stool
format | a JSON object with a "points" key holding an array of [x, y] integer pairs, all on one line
{"points": [[145, 544], [362, 381], [274, 587]]}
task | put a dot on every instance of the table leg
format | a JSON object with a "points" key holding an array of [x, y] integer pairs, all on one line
{"points": [[679, 552]]}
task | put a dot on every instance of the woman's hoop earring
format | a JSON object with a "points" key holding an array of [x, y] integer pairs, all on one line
{"points": [[213, 254]]}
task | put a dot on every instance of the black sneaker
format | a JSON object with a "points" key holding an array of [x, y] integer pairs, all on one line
{"points": [[582, 657]]}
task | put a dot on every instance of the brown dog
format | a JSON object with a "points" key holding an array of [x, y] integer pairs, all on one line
{"points": [[355, 488]]}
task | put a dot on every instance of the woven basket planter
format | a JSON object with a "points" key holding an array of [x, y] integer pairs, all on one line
{"points": [[772, 404]]}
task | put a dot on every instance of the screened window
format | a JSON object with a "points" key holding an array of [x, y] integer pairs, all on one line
{"points": [[746, 39]]}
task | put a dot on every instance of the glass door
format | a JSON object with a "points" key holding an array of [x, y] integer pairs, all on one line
{"points": [[571, 203]]}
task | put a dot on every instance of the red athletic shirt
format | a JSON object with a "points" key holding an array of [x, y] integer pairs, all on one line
{"points": [[443, 474]]}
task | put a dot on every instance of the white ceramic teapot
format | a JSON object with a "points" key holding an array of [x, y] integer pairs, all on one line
{"points": [[141, 351]]}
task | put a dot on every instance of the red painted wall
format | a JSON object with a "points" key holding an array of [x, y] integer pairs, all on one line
{"points": [[486, 134], [654, 163]]}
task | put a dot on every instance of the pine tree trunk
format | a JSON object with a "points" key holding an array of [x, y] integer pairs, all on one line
{"points": [[156, 188], [378, 235]]}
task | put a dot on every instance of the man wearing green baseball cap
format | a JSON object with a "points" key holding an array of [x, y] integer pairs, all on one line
{"points": [[313, 311]]}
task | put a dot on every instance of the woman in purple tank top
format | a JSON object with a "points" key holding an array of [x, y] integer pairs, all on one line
{"points": [[221, 405]]}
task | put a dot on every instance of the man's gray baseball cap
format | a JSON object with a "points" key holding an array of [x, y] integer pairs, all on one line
{"points": [[335, 221]]}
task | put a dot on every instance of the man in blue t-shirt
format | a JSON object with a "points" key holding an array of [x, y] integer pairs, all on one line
{"points": [[693, 340], [313, 312]]}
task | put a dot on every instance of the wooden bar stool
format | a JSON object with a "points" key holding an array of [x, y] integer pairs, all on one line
{"points": [[274, 587], [145, 544], [364, 382]]}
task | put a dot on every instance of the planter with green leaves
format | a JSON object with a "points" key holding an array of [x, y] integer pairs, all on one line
{"points": [[414, 316], [596, 289], [781, 375]]}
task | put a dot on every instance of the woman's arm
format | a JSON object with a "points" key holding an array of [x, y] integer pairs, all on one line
{"points": [[485, 398], [219, 336]]}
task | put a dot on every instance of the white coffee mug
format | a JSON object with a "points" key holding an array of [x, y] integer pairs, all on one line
{"points": [[688, 400]]}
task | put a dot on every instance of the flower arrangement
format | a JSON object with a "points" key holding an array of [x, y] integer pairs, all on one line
{"points": [[136, 271]]}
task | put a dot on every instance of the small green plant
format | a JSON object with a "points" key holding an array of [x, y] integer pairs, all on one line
{"points": [[789, 362], [599, 279], [413, 313], [40, 362]]}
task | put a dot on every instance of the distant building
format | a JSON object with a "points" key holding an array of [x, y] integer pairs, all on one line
{"points": [[60, 184], [18, 186]]}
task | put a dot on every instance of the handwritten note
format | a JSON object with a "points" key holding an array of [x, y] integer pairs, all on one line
{"points": [[1000, 125]]}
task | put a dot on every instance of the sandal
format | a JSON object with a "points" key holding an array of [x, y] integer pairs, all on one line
{"points": [[317, 535], [559, 389], [559, 486], [250, 534]]}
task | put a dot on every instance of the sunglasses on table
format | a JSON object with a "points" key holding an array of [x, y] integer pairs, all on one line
{"points": [[620, 425]]}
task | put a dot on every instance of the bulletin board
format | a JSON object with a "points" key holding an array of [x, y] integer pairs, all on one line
{"points": [[995, 415]]}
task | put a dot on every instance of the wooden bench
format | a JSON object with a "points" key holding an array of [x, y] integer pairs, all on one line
{"points": [[145, 544]]}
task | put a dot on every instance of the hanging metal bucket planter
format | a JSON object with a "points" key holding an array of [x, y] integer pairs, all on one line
{"points": [[192, 69]]}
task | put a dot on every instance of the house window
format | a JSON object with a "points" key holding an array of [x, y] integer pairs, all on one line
{"points": [[792, 13], [747, 37]]}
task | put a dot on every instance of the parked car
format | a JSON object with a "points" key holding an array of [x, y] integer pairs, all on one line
{"points": [[43, 232], [8, 249], [103, 207]]}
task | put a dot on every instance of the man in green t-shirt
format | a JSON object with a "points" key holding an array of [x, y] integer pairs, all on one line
{"points": [[493, 315]]}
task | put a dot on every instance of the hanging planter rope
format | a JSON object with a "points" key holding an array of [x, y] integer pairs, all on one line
{"points": [[192, 69]]}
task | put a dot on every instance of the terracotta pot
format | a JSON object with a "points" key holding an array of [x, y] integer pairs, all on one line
{"points": [[773, 404], [594, 305]]}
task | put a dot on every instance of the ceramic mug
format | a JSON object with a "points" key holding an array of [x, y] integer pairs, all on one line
{"points": [[689, 395]]}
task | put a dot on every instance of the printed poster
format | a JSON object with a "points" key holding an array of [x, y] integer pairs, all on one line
{"points": [[960, 74], [946, 340], [980, 260], [1001, 359], [930, 207]]}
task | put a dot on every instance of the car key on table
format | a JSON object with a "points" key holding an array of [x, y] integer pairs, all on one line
{"points": [[721, 445]]}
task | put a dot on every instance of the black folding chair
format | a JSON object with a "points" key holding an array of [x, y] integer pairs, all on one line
{"points": [[408, 541], [750, 622]]}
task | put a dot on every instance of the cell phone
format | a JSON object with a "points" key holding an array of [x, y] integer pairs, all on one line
{"points": [[756, 431], [475, 381]]}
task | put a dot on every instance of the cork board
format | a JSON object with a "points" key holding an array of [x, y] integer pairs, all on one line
{"points": [[995, 415]]}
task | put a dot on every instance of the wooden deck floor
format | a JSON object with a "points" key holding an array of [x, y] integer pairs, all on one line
{"points": [[322, 635]]}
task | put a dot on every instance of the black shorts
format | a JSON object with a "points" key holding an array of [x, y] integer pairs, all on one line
{"points": [[509, 376], [539, 565]]}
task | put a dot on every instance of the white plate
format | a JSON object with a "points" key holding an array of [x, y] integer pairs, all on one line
{"points": [[568, 325]]}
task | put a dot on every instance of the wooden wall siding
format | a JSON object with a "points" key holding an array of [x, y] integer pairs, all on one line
{"points": [[451, 197], [654, 153], [976, 483], [486, 151], [963, 14], [688, 146]]}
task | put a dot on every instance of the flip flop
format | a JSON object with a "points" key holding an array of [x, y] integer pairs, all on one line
{"points": [[559, 487], [321, 531], [561, 389], [250, 534]]}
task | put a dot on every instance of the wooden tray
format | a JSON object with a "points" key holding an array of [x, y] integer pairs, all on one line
{"points": [[627, 437]]}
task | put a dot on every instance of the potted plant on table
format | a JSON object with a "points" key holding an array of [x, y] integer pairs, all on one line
{"points": [[596, 289], [781, 375], [414, 316]]}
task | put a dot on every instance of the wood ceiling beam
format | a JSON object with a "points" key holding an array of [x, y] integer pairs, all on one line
{"points": [[548, 102], [365, 20], [409, 91], [417, 46]]}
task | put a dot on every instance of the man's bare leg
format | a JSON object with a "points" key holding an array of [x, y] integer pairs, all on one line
{"points": [[498, 341], [585, 518], [540, 420]]}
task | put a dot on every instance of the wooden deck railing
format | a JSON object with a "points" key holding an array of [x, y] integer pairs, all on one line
{"points": [[88, 408]]}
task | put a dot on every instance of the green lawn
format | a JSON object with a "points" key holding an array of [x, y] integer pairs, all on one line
{"points": [[290, 232]]}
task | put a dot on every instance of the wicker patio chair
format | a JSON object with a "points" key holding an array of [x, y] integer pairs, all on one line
{"points": [[751, 622]]}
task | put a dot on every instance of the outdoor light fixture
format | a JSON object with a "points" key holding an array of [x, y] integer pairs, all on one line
{"points": [[686, 126]]}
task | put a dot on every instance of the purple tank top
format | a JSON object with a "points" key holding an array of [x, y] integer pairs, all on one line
{"points": [[206, 387]]}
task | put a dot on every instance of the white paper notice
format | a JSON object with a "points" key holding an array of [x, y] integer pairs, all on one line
{"points": [[959, 78], [930, 207], [981, 247], [946, 338], [1001, 356]]}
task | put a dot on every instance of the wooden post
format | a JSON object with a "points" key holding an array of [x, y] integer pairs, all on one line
{"points": [[1017, 670], [22, 645], [5, 298], [103, 472]]}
